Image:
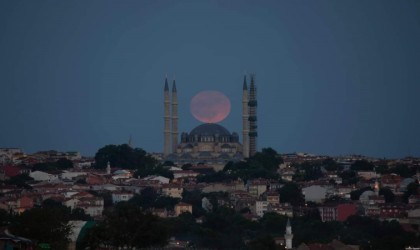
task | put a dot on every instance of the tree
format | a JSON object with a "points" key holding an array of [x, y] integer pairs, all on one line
{"points": [[291, 193], [123, 156], [349, 177], [127, 226], [222, 229], [215, 177], [43, 225], [362, 165], [146, 199], [187, 166], [264, 242], [330, 165], [194, 198], [388, 195], [412, 189], [315, 231], [261, 165], [166, 202], [312, 170], [5, 218], [273, 223], [403, 170], [169, 163], [61, 164], [374, 234], [267, 159], [79, 214], [20, 181]]}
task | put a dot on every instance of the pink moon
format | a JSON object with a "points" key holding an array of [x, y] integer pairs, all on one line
{"points": [[210, 106]]}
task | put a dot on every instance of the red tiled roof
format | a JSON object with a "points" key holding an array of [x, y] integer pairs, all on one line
{"points": [[11, 170]]}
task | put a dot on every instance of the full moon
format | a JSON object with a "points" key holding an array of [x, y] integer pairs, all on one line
{"points": [[210, 106]]}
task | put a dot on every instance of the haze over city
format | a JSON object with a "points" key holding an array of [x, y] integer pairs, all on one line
{"points": [[333, 77]]}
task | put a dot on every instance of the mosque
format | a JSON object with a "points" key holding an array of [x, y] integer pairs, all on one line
{"points": [[210, 143]]}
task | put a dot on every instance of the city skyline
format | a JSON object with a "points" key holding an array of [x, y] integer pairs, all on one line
{"points": [[333, 78]]}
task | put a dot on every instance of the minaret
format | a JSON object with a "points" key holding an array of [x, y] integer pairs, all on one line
{"points": [[252, 104], [130, 142], [174, 118], [245, 122], [288, 236], [108, 168], [376, 187], [166, 121]]}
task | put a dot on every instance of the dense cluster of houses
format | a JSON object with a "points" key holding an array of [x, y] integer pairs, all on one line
{"points": [[82, 187]]}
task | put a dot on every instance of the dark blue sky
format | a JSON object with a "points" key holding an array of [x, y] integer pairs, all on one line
{"points": [[334, 77]]}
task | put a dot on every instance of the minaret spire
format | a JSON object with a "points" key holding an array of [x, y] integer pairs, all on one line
{"points": [[288, 236], [174, 118], [252, 104], [166, 120], [245, 122], [130, 142], [108, 168]]}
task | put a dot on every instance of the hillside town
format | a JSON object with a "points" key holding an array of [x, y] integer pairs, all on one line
{"points": [[333, 188]]}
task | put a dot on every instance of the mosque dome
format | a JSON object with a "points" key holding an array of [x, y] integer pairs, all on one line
{"points": [[210, 129]]}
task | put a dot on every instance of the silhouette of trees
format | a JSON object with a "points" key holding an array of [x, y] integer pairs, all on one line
{"points": [[388, 194], [123, 156], [263, 164], [311, 171], [20, 181], [349, 177], [127, 226], [362, 165], [412, 189], [265, 242], [403, 170], [330, 165], [44, 225], [291, 193], [61, 164]]}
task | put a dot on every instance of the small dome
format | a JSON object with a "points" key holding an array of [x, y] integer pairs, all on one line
{"points": [[210, 129], [404, 183], [365, 195]]}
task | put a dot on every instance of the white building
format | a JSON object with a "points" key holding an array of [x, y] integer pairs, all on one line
{"points": [[315, 193], [121, 196], [70, 175], [261, 207], [43, 176], [288, 236], [161, 179]]}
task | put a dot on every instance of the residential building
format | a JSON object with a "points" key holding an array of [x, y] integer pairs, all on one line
{"points": [[172, 190], [182, 207], [281, 208], [118, 196], [260, 208]]}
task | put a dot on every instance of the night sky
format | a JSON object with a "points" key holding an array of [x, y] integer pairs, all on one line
{"points": [[333, 77]]}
